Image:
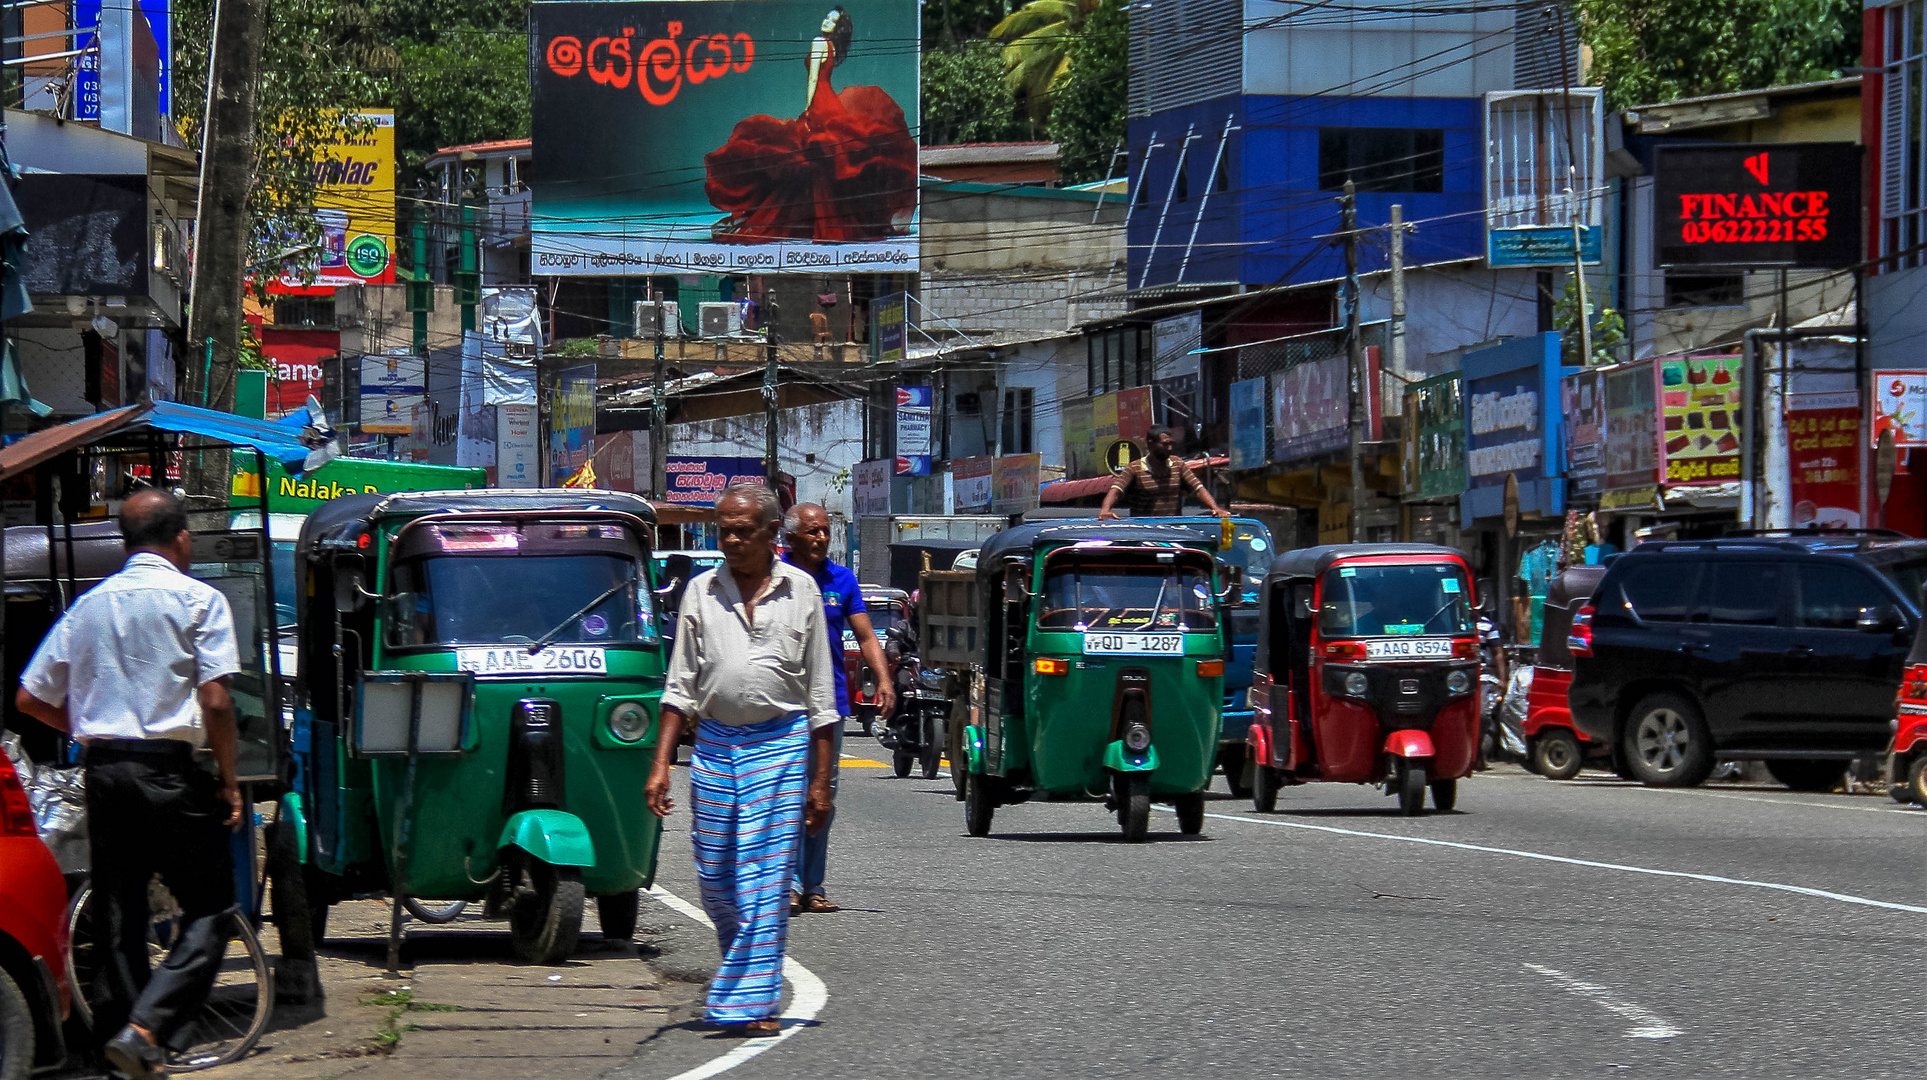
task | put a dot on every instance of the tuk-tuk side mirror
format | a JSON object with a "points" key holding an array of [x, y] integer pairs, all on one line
{"points": [[1234, 583], [350, 595], [1016, 585]]}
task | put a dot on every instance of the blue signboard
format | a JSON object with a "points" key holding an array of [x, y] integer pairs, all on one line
{"points": [[1513, 415], [1539, 245], [699, 481], [913, 430], [1248, 424], [87, 76]]}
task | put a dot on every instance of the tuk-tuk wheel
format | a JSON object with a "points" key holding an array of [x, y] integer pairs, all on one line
{"points": [[1556, 755], [1190, 813], [1236, 770], [1410, 780], [1917, 781], [545, 915], [931, 757], [1445, 795], [1264, 788], [977, 807], [617, 914], [1133, 805]]}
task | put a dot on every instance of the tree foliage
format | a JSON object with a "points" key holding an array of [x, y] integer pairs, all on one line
{"points": [[1645, 52], [1088, 119], [964, 98], [1038, 39]]}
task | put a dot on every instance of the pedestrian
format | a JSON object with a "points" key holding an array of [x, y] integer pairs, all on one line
{"points": [[752, 671], [137, 670], [1155, 484], [807, 529]]}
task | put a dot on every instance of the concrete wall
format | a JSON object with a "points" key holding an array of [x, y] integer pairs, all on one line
{"points": [[1026, 260]]}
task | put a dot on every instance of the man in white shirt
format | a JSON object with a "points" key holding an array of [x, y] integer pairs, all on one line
{"points": [[137, 671], [752, 671]]}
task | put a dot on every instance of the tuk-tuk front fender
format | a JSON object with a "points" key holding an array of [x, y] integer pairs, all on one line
{"points": [[1409, 744], [973, 741], [1258, 743], [1119, 759], [554, 836]]}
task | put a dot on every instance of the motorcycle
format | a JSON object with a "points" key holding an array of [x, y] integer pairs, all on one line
{"points": [[915, 732]]}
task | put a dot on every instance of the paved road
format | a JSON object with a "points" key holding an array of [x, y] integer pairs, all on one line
{"points": [[1292, 944]]}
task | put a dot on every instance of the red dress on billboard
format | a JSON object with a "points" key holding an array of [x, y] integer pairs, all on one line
{"points": [[845, 170]]}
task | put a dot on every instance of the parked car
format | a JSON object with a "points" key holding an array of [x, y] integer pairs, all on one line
{"points": [[33, 939], [1786, 649]]}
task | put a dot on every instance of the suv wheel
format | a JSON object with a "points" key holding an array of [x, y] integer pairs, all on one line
{"points": [[1808, 774], [1665, 742]]}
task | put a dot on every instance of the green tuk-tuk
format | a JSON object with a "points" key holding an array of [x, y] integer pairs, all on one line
{"points": [[480, 674], [1102, 671]]}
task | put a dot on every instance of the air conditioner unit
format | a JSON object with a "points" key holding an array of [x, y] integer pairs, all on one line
{"points": [[721, 320], [655, 317]]}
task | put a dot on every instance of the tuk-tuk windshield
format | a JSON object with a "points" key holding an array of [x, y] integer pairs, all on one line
{"points": [[1395, 600], [467, 600], [1114, 594], [883, 615]]}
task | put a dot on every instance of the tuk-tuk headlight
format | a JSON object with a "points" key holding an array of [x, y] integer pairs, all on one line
{"points": [[1137, 738], [1356, 684], [628, 722], [1458, 682]]}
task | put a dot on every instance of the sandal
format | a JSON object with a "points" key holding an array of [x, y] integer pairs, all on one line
{"points": [[817, 904], [796, 903], [754, 1029]]}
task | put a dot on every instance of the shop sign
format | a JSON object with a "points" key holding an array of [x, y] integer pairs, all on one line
{"points": [[913, 430], [1583, 403], [1247, 424], [970, 481], [1512, 427], [1900, 406], [1539, 245], [700, 481], [892, 331], [1014, 483], [870, 486], [1823, 460], [1435, 415], [1311, 407], [1174, 345], [1644, 497], [1093, 425], [1632, 416], [1078, 453], [1700, 402], [1794, 205]]}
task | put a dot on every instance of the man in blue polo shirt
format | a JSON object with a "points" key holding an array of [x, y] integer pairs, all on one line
{"points": [[807, 527]]}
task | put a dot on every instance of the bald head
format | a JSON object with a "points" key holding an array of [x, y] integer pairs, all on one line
{"points": [[155, 520], [807, 527]]}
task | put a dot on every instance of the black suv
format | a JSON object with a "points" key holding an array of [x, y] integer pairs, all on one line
{"points": [[1786, 649]]}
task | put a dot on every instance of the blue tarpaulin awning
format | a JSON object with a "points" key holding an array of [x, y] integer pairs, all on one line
{"points": [[281, 441]]}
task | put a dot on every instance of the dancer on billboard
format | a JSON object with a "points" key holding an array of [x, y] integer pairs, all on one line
{"points": [[843, 170]]}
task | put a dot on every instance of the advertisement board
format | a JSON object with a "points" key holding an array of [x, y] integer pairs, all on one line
{"points": [[1583, 403], [475, 426], [1900, 406], [1757, 204], [870, 486], [391, 387], [1311, 411], [1247, 424], [1632, 416], [1539, 245], [1823, 465], [1701, 399], [892, 333], [87, 18], [1080, 460], [755, 136], [1514, 459], [913, 430], [700, 481], [1174, 342], [355, 204], [1014, 483], [297, 358], [571, 422], [970, 482], [1438, 428], [516, 446]]}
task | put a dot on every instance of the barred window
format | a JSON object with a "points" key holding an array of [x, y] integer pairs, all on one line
{"points": [[1902, 183]]}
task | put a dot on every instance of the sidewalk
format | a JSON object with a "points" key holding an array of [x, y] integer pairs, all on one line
{"points": [[467, 1009]]}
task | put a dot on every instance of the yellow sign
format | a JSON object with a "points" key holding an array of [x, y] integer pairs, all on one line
{"points": [[355, 202], [1120, 454]]}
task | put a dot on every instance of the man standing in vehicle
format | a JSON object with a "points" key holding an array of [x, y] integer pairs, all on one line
{"points": [[752, 670], [1155, 485], [807, 527], [137, 670]]}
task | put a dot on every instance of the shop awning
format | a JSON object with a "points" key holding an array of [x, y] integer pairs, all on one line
{"points": [[281, 441], [1062, 491]]}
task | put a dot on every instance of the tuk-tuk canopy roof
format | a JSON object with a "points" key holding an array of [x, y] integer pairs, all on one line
{"points": [[1313, 561], [1021, 540], [339, 518], [278, 440]]}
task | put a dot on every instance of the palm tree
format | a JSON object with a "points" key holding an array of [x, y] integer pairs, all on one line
{"points": [[1037, 46]]}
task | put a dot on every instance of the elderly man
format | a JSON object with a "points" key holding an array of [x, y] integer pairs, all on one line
{"points": [[752, 670], [137, 670], [807, 527]]}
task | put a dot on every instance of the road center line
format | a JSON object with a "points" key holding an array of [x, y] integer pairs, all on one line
{"points": [[1803, 803], [1844, 898], [1649, 1025], [808, 1000]]}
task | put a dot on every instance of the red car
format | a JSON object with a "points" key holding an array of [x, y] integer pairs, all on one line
{"points": [[33, 938]]}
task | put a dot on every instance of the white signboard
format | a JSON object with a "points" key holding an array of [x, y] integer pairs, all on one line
{"points": [[391, 387], [516, 460], [870, 486], [1172, 342]]}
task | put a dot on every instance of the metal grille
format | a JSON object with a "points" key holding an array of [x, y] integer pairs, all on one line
{"points": [[1532, 140], [1255, 361], [1184, 52]]}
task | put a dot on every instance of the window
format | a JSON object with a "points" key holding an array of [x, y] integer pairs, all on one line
{"points": [[1539, 144], [1401, 601], [316, 311], [1745, 593], [1659, 592], [1126, 595], [1382, 159], [1222, 181], [1118, 359], [1903, 182], [1831, 597], [1705, 290], [1018, 406]]}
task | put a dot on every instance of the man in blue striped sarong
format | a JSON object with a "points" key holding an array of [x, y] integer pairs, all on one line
{"points": [[752, 669]]}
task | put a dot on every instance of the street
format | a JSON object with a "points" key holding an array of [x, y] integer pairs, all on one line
{"points": [[1322, 941]]}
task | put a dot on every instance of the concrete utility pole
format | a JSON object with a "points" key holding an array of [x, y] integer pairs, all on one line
{"points": [[221, 215], [770, 471], [659, 416], [1398, 290], [1355, 354]]}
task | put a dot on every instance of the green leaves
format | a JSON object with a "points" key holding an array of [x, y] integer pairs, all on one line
{"points": [[964, 97], [1038, 39], [1088, 113], [1646, 53]]}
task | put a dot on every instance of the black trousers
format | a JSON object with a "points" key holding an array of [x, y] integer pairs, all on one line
{"points": [[151, 810]]}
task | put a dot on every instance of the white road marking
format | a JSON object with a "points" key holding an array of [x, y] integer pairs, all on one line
{"points": [[1648, 1024], [1823, 894], [1783, 802], [808, 999]]}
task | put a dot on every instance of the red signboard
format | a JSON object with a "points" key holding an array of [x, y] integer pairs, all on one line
{"points": [[298, 356], [1823, 457]]}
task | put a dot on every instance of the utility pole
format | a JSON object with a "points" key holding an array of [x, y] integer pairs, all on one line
{"points": [[1355, 353], [770, 471], [1579, 277], [221, 215], [1398, 290], [468, 286], [423, 284], [659, 417]]}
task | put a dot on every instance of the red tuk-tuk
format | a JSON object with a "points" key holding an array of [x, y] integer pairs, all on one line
{"points": [[1907, 765], [1555, 748], [887, 607], [1367, 673]]}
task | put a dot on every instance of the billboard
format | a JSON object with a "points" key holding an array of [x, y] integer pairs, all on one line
{"points": [[724, 137], [970, 482], [1312, 407], [571, 422], [1584, 406], [700, 481], [1014, 483], [1758, 204], [87, 21], [1436, 417], [1248, 424], [391, 387], [1632, 416], [892, 333], [870, 486], [1701, 399], [516, 446], [355, 204], [1900, 406]]}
